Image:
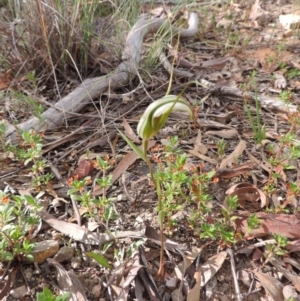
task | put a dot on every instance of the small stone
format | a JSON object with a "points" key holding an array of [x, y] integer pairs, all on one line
{"points": [[43, 250], [76, 262], [28, 274], [171, 282], [65, 254], [179, 216], [19, 292], [97, 290], [289, 292]]}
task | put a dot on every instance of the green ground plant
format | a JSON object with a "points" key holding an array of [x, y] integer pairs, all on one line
{"points": [[30, 152], [47, 295], [18, 220], [282, 156], [221, 147], [259, 130], [277, 249], [96, 207], [286, 96]]}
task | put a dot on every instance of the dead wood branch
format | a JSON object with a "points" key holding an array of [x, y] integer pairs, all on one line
{"points": [[93, 87]]}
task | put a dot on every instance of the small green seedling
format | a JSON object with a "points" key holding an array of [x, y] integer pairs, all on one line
{"points": [[47, 295]]}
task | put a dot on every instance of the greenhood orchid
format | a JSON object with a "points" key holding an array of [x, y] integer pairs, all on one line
{"points": [[152, 120], [158, 112]]}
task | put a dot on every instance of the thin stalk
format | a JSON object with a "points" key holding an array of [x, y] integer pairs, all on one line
{"points": [[160, 209]]}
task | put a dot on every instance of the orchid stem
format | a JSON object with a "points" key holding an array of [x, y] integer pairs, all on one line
{"points": [[160, 209]]}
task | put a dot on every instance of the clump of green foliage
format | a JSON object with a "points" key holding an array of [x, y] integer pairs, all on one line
{"points": [[18, 221], [47, 295]]}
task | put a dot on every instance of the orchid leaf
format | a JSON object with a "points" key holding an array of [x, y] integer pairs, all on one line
{"points": [[135, 148]]}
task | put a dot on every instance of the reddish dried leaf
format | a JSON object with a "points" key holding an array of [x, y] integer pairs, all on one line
{"points": [[279, 265], [229, 173], [283, 224], [5, 80], [83, 169]]}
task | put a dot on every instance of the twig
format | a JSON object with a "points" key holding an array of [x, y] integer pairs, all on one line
{"points": [[235, 281], [76, 211]]}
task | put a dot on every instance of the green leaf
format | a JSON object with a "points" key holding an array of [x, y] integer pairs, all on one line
{"points": [[135, 148], [64, 297], [45, 295], [99, 258]]}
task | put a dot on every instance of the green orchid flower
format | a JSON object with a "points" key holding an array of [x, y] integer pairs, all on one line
{"points": [[154, 118], [157, 113]]}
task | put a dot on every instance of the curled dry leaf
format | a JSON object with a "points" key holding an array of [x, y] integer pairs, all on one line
{"points": [[250, 198]]}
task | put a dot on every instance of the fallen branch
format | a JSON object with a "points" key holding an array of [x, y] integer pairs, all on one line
{"points": [[93, 87]]}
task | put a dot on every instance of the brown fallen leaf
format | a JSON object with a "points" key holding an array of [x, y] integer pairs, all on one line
{"points": [[5, 80], [273, 286], [211, 267], [228, 173], [279, 265], [145, 279], [234, 155], [81, 234], [129, 132], [5, 287], [127, 160], [83, 169], [293, 246], [227, 134], [68, 282], [283, 224]]}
